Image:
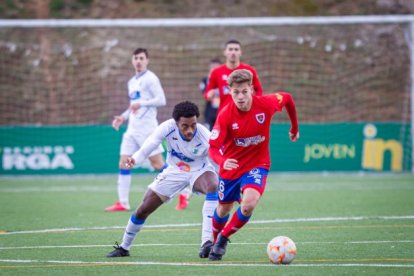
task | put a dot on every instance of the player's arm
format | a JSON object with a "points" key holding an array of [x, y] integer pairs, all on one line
{"points": [[286, 100], [212, 85], [157, 100], [218, 134], [150, 144], [118, 120], [257, 85]]}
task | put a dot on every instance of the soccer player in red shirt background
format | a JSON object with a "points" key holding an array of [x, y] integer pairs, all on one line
{"points": [[218, 77], [239, 144]]}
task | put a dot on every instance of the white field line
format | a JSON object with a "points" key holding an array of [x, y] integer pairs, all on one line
{"points": [[360, 218], [193, 244], [208, 264]]}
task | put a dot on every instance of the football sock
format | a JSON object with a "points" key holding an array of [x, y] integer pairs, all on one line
{"points": [[124, 184], [237, 221], [218, 224], [133, 227], [210, 204]]}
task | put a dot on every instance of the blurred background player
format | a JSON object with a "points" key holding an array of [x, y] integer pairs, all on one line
{"points": [[146, 94], [211, 107], [239, 144], [188, 165], [218, 76]]}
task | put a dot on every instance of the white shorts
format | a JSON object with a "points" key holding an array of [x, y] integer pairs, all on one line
{"points": [[172, 181], [132, 142]]}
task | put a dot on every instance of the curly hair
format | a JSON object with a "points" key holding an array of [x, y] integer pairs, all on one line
{"points": [[185, 109]]}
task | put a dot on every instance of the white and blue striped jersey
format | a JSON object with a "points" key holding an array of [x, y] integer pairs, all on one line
{"points": [[144, 88], [188, 156]]}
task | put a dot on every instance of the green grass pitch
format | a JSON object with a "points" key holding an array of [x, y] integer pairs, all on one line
{"points": [[341, 224]]}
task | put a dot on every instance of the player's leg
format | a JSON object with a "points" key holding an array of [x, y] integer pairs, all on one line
{"points": [[228, 193], [123, 187], [252, 186], [206, 183], [128, 147], [157, 162], [148, 205]]}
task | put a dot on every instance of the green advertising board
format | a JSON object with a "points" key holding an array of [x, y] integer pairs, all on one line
{"points": [[342, 147], [321, 147]]}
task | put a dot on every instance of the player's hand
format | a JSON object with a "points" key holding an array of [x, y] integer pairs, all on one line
{"points": [[117, 122], [210, 94], [129, 163], [135, 107], [293, 137], [230, 164]]}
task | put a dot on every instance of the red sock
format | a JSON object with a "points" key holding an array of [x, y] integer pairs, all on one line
{"points": [[238, 220], [218, 224]]}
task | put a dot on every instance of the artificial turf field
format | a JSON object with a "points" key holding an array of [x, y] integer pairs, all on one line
{"points": [[341, 224]]}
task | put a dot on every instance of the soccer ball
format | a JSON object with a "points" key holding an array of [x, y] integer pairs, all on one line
{"points": [[281, 250]]}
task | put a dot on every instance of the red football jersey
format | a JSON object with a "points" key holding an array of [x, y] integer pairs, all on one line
{"points": [[244, 136], [218, 79]]}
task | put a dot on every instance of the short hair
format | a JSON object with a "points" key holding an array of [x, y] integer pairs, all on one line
{"points": [[240, 76], [232, 41], [185, 109], [215, 60], [141, 50]]}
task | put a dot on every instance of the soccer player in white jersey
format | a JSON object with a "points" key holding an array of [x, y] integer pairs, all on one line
{"points": [[188, 164], [146, 94]]}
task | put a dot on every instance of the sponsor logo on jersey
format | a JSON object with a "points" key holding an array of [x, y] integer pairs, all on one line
{"points": [[260, 117], [183, 166], [181, 156], [214, 134], [245, 142]]}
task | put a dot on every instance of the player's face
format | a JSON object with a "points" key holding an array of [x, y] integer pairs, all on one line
{"points": [[187, 127], [140, 62], [242, 95], [233, 53]]}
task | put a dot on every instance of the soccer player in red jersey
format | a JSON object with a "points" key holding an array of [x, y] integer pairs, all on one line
{"points": [[218, 77], [239, 144]]}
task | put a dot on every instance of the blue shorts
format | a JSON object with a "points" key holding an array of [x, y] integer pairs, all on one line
{"points": [[230, 190]]}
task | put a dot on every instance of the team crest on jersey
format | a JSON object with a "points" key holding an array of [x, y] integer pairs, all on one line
{"points": [[260, 117], [214, 134]]}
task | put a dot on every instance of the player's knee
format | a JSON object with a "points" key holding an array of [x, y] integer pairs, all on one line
{"points": [[247, 210], [158, 166], [248, 206], [211, 187], [122, 161], [223, 210]]}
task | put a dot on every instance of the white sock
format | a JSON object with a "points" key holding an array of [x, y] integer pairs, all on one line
{"points": [[124, 185], [207, 227], [131, 232]]}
